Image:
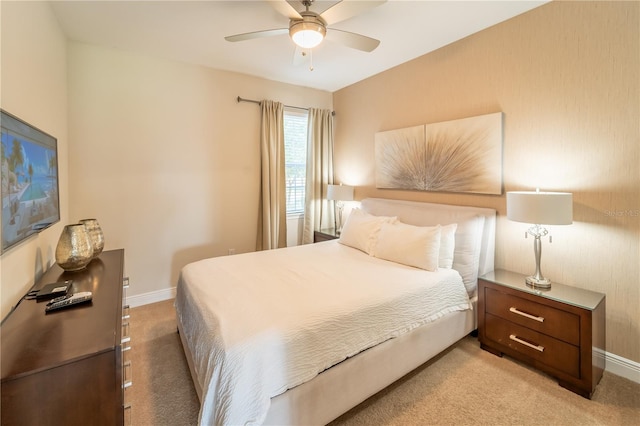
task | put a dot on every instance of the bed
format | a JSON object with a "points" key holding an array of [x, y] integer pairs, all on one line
{"points": [[300, 335]]}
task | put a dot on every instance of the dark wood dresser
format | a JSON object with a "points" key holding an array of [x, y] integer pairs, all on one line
{"points": [[560, 331], [66, 367]]}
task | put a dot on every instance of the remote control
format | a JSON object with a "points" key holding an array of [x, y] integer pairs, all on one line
{"points": [[70, 300]]}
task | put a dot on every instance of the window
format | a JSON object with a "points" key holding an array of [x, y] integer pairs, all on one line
{"points": [[295, 158]]}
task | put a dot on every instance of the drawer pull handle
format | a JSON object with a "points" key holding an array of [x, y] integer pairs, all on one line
{"points": [[524, 314], [522, 342], [127, 382], [127, 415]]}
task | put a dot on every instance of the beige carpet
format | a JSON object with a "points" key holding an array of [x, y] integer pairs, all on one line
{"points": [[463, 386]]}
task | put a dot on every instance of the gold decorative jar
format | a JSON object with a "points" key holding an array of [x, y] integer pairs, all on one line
{"points": [[95, 234], [75, 249]]}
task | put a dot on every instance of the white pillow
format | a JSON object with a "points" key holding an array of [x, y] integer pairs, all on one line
{"points": [[466, 257], [468, 236], [361, 230], [447, 245], [416, 246]]}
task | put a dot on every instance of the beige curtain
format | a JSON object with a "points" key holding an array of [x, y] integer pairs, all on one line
{"points": [[272, 220], [319, 212]]}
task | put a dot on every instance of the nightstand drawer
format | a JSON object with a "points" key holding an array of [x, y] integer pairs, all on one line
{"points": [[543, 318], [541, 347]]}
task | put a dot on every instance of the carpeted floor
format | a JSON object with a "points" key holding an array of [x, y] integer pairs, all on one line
{"points": [[463, 386]]}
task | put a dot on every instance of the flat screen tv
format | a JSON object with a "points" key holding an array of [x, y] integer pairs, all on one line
{"points": [[30, 200]]}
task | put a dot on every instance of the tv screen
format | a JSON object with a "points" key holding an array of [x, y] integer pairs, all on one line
{"points": [[30, 201]]}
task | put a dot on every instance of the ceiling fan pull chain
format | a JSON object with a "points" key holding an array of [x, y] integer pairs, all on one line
{"points": [[310, 59]]}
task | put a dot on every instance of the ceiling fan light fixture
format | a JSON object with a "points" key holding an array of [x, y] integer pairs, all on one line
{"points": [[307, 34]]}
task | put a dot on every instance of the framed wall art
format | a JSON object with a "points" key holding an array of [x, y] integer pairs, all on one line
{"points": [[462, 155]]}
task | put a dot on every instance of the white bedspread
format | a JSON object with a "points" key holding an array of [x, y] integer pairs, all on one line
{"points": [[258, 324]]}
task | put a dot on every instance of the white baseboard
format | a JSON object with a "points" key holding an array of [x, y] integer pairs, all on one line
{"points": [[152, 297], [613, 363], [620, 366]]}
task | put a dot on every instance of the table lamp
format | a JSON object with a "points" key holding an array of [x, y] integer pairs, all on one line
{"points": [[339, 194], [539, 208]]}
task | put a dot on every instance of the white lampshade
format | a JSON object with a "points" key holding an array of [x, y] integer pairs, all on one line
{"points": [[340, 192], [540, 208], [307, 34]]}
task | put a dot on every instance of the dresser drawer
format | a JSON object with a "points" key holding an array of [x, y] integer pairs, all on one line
{"points": [[543, 318], [541, 347]]}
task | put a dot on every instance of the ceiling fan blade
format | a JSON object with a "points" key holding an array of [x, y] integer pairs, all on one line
{"points": [[284, 8], [353, 40], [257, 34], [347, 9]]}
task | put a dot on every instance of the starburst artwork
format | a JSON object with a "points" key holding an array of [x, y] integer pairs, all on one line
{"points": [[453, 156]]}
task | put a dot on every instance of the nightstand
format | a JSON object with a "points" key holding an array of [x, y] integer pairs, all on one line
{"points": [[325, 235], [560, 331]]}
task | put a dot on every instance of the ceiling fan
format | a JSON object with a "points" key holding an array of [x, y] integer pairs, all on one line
{"points": [[308, 29]]}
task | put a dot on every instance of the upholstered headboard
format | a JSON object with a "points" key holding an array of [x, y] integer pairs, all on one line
{"points": [[475, 236]]}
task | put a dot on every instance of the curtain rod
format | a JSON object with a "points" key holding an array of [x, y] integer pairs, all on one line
{"points": [[239, 99]]}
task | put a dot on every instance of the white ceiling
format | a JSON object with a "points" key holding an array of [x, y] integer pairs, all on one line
{"points": [[194, 31]]}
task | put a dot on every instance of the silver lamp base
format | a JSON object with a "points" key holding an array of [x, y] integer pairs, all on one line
{"points": [[538, 282], [340, 206]]}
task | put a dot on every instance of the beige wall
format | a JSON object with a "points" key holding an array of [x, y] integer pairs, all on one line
{"points": [[565, 76], [33, 86], [165, 158]]}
